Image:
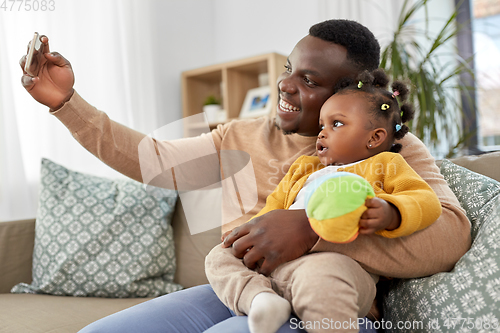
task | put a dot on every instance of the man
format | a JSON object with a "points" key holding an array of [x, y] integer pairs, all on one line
{"points": [[332, 50]]}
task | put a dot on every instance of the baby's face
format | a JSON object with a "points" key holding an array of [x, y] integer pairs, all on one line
{"points": [[345, 129]]}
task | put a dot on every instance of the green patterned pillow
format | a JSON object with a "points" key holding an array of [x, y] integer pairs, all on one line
{"points": [[101, 237], [467, 299], [475, 192]]}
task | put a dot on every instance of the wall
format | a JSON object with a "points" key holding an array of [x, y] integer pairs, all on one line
{"points": [[184, 35], [198, 33], [260, 26]]}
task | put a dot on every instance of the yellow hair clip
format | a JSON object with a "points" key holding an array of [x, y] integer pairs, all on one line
{"points": [[385, 106], [360, 84]]}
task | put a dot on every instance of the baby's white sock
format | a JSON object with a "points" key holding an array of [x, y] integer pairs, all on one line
{"points": [[268, 312]]}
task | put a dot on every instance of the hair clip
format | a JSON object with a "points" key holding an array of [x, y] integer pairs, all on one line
{"points": [[385, 107], [360, 84], [398, 127]]}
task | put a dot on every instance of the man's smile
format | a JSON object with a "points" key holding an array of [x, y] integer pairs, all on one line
{"points": [[287, 107]]}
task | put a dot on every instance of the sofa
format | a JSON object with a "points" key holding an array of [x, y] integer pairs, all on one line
{"points": [[28, 312]]}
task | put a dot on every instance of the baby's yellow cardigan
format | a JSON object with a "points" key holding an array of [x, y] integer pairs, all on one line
{"points": [[392, 179]]}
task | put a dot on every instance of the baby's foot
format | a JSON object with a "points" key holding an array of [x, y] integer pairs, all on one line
{"points": [[268, 312]]}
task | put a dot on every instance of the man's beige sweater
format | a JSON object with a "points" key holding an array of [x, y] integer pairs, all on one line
{"points": [[271, 153]]}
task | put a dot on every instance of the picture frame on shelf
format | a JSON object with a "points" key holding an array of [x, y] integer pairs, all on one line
{"points": [[257, 103]]}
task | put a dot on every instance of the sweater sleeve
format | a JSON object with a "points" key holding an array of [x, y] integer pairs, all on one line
{"points": [[417, 203], [422, 162], [183, 164]]}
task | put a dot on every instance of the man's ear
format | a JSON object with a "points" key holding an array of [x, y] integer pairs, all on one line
{"points": [[377, 138]]}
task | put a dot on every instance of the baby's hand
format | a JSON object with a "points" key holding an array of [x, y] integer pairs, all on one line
{"points": [[380, 215], [224, 235]]}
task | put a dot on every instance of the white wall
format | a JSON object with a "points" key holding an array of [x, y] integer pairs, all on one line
{"points": [[196, 33], [184, 31], [244, 28]]}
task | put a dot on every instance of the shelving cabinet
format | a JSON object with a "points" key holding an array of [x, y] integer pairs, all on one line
{"points": [[229, 82]]}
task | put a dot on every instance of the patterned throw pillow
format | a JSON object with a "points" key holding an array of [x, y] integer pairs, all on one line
{"points": [[467, 299], [475, 192], [100, 237]]}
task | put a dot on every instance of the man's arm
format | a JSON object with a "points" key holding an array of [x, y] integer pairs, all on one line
{"points": [[139, 156], [131, 153], [281, 236], [53, 87]]}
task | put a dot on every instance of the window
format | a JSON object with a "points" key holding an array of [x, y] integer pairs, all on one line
{"points": [[486, 44]]}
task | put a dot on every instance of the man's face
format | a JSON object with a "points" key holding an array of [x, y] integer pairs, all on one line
{"points": [[313, 69]]}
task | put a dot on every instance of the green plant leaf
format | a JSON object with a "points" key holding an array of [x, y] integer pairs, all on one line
{"points": [[416, 55]]}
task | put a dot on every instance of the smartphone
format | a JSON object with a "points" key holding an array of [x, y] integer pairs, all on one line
{"points": [[34, 46]]}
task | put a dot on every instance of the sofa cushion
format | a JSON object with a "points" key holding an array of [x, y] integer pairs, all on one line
{"points": [[476, 193], [56, 314], [469, 295], [485, 164], [101, 237], [16, 252], [191, 250]]}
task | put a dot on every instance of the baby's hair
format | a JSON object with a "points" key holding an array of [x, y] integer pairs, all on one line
{"points": [[384, 103]]}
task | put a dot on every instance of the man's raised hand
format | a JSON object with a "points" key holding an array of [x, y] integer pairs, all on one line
{"points": [[53, 83]]}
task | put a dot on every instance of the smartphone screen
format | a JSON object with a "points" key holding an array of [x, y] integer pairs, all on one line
{"points": [[34, 45]]}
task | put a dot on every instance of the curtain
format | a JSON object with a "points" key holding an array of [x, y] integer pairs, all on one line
{"points": [[16, 201], [109, 44]]}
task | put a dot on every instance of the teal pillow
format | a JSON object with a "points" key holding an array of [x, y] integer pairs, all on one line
{"points": [[467, 299], [475, 192], [101, 237]]}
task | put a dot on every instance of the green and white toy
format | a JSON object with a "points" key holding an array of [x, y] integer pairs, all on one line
{"points": [[334, 204]]}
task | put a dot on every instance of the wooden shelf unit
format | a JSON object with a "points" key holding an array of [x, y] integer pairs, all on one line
{"points": [[230, 82]]}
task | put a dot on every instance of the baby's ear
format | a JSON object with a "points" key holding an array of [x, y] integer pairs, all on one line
{"points": [[377, 138]]}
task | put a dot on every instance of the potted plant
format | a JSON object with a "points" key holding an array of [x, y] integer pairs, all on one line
{"points": [[212, 107], [417, 56]]}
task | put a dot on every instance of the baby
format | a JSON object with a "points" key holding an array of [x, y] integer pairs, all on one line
{"points": [[359, 125]]}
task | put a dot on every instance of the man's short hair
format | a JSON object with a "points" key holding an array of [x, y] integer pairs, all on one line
{"points": [[363, 49]]}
